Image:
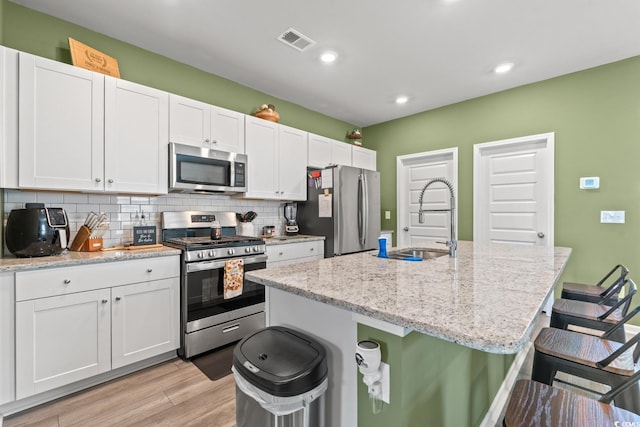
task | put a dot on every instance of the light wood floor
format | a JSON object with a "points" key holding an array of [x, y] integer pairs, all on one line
{"points": [[174, 393]]}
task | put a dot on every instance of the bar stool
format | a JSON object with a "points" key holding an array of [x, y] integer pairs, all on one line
{"points": [[596, 293], [533, 404], [590, 315], [593, 358]]}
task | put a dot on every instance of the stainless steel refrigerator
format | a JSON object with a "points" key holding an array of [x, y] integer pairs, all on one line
{"points": [[343, 204]]}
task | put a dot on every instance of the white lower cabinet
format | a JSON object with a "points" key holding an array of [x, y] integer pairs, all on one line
{"points": [[7, 338], [67, 329], [295, 252]]}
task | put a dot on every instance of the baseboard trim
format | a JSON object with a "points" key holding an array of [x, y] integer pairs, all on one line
{"points": [[492, 417]]}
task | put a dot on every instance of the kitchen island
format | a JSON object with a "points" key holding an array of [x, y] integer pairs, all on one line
{"points": [[484, 301]]}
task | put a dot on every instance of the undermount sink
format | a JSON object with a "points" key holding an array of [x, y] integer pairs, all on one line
{"points": [[417, 253]]}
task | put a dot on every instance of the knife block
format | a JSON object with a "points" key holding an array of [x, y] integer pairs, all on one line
{"points": [[92, 245], [82, 236]]}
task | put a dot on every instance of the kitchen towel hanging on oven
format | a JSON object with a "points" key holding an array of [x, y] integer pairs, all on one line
{"points": [[233, 277]]}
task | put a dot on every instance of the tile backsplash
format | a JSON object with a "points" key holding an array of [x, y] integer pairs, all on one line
{"points": [[125, 211]]}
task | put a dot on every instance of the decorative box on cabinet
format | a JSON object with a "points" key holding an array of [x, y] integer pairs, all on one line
{"points": [[277, 161], [199, 124], [76, 322]]}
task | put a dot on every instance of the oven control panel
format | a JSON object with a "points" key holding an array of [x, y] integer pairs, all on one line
{"points": [[221, 253]]}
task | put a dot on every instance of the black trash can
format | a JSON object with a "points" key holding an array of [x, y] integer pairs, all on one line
{"points": [[281, 378]]}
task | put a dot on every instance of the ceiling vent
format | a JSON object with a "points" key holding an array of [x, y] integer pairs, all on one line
{"points": [[296, 39]]}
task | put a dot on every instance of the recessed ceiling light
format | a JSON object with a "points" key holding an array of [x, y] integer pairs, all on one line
{"points": [[503, 68], [402, 99], [328, 57]]}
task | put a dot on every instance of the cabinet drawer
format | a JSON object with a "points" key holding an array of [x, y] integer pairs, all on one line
{"points": [[65, 280], [294, 251]]}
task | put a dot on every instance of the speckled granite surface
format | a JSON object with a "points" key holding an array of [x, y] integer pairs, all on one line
{"points": [[78, 258], [283, 240], [487, 298]]}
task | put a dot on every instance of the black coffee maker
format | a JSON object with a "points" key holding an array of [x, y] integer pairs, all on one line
{"points": [[290, 212]]}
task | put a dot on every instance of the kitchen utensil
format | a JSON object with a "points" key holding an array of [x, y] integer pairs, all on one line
{"points": [[290, 214], [250, 216]]}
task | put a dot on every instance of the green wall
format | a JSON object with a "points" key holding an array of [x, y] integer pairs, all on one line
{"points": [[595, 115], [433, 382], [43, 35]]}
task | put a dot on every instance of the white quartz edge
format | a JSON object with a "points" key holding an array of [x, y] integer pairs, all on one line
{"points": [[78, 258], [487, 298]]}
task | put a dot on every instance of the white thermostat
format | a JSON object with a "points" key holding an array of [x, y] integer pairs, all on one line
{"points": [[589, 183]]}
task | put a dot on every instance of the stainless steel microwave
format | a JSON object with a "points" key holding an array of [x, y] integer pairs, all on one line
{"points": [[195, 170]]}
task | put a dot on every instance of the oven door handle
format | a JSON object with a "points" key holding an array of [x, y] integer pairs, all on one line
{"points": [[212, 265]]}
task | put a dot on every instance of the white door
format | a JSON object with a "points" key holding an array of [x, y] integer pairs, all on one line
{"points": [[513, 191], [62, 339], [292, 164], [145, 320], [61, 126], [413, 172], [136, 137]]}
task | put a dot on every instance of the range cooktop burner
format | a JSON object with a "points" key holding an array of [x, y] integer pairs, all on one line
{"points": [[199, 242]]}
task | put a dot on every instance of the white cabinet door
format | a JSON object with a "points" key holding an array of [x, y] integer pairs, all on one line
{"points": [[7, 338], [261, 147], [200, 124], [189, 121], [136, 138], [227, 130], [145, 320], [363, 158], [61, 126], [340, 153], [319, 155], [8, 118], [292, 168], [61, 339]]}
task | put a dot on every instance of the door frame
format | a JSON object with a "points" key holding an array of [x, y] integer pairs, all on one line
{"points": [[402, 204], [515, 145]]}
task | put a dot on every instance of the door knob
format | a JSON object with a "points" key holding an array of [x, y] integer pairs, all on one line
{"points": [[406, 229], [540, 234]]}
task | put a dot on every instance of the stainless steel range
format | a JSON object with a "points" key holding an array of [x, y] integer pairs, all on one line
{"points": [[208, 320]]}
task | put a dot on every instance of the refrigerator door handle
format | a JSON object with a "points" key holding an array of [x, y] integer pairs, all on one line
{"points": [[363, 215]]}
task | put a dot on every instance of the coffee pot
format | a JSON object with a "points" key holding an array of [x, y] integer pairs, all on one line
{"points": [[290, 212]]}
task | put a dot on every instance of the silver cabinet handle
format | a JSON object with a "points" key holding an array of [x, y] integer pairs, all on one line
{"points": [[98, 179], [406, 229], [206, 140], [118, 298], [312, 249], [280, 253], [104, 301], [67, 281], [214, 141], [110, 181], [540, 234], [149, 270]]}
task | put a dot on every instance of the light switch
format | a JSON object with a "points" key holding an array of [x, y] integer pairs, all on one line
{"points": [[590, 183], [387, 214], [612, 217]]}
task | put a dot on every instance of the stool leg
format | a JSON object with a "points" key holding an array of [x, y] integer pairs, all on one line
{"points": [[558, 321], [543, 371], [618, 335], [628, 399]]}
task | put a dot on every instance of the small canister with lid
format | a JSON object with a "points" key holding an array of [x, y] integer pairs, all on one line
{"points": [[216, 230], [268, 231]]}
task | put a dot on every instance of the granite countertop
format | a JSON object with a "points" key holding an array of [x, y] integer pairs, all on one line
{"points": [[68, 258], [486, 298], [298, 238]]}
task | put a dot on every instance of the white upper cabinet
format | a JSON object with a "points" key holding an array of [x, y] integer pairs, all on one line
{"points": [[136, 138], [276, 161], [8, 118], [61, 126], [326, 151], [84, 131], [363, 158], [199, 124]]}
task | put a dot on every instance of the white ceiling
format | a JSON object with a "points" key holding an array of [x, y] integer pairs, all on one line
{"points": [[437, 52]]}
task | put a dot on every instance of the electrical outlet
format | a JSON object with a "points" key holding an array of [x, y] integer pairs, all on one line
{"points": [[387, 214], [612, 217]]}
